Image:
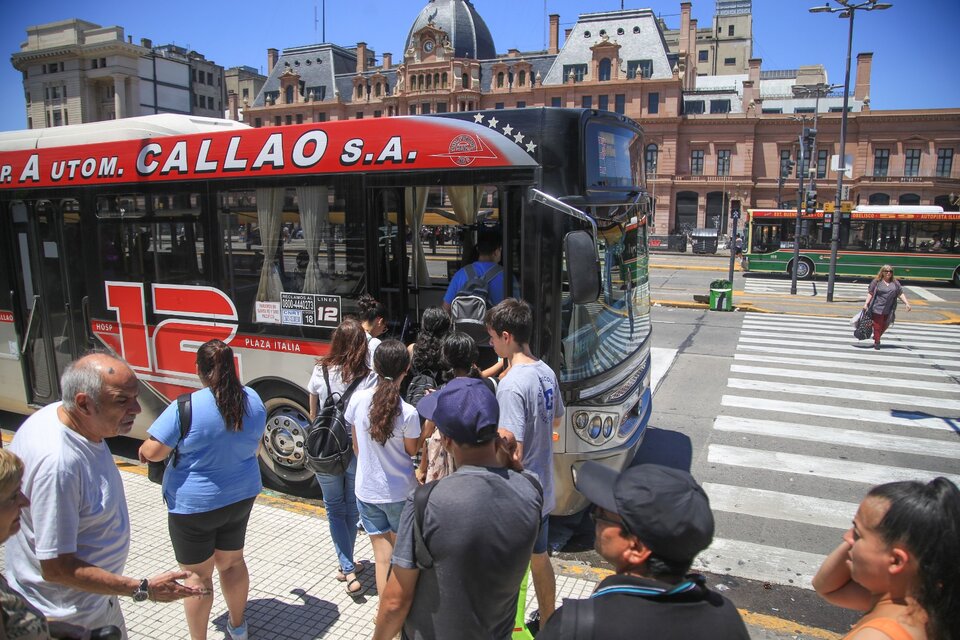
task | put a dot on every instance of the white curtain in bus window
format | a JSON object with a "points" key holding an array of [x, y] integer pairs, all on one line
{"points": [[269, 214], [314, 217], [465, 202], [416, 206]]}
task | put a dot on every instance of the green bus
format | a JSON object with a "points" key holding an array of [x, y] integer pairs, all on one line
{"points": [[920, 242]]}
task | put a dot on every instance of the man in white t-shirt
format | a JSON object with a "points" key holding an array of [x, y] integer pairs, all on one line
{"points": [[68, 557]]}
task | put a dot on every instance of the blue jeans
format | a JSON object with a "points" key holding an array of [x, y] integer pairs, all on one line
{"points": [[342, 513]]}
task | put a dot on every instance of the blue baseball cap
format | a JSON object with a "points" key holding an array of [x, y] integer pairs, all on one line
{"points": [[464, 410]]}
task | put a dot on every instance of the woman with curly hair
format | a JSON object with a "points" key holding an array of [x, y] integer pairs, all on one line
{"points": [[386, 433], [373, 317], [334, 373], [898, 563], [882, 301], [428, 366]]}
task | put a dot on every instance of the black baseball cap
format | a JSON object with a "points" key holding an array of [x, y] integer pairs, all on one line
{"points": [[664, 507], [464, 410]]}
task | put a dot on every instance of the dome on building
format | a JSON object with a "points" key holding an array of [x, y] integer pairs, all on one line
{"points": [[468, 32]]}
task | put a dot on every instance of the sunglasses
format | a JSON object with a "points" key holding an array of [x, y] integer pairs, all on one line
{"points": [[597, 515]]}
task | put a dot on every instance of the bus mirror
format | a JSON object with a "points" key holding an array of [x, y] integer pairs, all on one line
{"points": [[583, 266]]}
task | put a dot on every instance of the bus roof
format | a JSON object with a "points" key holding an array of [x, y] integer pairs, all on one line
{"points": [[144, 151], [163, 124], [896, 208]]}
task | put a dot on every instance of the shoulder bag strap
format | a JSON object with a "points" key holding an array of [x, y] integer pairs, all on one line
{"points": [[577, 621], [471, 272], [421, 496], [326, 379], [491, 273], [533, 480], [185, 414], [349, 391]]}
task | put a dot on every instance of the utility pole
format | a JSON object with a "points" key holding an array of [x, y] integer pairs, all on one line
{"points": [[800, 205]]}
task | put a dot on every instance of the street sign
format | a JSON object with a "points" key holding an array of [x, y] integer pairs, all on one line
{"points": [[847, 163], [846, 206], [829, 207]]}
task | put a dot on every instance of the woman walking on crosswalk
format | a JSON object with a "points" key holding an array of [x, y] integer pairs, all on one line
{"points": [[882, 301]]}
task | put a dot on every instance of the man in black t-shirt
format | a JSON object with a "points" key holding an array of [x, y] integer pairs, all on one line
{"points": [[651, 522]]}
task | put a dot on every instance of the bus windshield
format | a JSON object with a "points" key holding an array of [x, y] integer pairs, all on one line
{"points": [[599, 336]]}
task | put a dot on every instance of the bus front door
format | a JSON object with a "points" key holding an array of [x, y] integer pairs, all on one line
{"points": [[49, 341]]}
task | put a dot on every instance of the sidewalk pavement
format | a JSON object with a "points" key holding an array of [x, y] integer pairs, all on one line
{"points": [[293, 592], [842, 307]]}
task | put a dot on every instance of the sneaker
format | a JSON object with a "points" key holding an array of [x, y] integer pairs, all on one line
{"points": [[237, 633]]}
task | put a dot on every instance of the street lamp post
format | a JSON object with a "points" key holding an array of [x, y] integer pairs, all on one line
{"points": [[846, 10]]}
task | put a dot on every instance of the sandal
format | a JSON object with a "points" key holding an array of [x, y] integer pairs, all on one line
{"points": [[359, 591], [358, 569]]}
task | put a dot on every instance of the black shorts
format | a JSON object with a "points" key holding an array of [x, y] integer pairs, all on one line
{"points": [[195, 536]]}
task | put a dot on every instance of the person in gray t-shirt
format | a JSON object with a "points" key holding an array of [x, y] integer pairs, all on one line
{"points": [[479, 526], [530, 409]]}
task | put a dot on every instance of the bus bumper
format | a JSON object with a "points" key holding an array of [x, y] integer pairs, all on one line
{"points": [[569, 500]]}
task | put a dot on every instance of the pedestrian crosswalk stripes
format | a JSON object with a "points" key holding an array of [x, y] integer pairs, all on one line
{"points": [[762, 503], [845, 393], [810, 419], [854, 366], [846, 290], [854, 354], [823, 376], [841, 437], [866, 473], [887, 418]]}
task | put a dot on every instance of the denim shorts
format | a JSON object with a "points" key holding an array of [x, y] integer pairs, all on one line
{"points": [[382, 517]]}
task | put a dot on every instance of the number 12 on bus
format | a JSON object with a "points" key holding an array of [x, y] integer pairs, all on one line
{"points": [[920, 242], [149, 236]]}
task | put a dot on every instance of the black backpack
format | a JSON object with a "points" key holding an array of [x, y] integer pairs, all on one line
{"points": [[419, 385], [472, 302], [328, 448]]}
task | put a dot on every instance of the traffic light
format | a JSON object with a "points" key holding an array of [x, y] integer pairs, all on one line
{"points": [[809, 135], [811, 200], [786, 168], [735, 209]]}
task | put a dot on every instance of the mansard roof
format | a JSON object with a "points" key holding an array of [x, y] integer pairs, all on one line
{"points": [[468, 33]]}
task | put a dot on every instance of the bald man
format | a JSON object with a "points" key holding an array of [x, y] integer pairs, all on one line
{"points": [[69, 555]]}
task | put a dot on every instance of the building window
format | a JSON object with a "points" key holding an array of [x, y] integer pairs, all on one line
{"points": [[911, 163], [521, 104], [521, 78], [246, 93], [209, 78], [500, 80], [881, 163], [289, 119], [730, 31], [653, 103], [604, 70], [838, 110], [555, 101], [703, 55], [944, 163], [772, 110], [723, 162], [299, 118], [729, 62], [498, 105], [693, 107], [650, 159], [425, 108], [359, 115], [586, 102], [719, 106], [377, 113], [803, 110], [465, 81], [277, 121], [413, 110], [822, 155], [620, 103], [322, 117], [441, 107], [257, 122], [578, 71], [443, 80], [639, 69], [696, 162], [288, 94], [603, 103]]}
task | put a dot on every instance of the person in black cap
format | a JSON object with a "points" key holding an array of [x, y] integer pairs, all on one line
{"points": [[651, 522], [478, 528]]}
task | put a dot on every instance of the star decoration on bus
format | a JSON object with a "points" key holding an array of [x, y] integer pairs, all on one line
{"points": [[508, 131]]}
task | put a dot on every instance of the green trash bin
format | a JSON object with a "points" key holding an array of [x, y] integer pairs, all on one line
{"points": [[721, 295]]}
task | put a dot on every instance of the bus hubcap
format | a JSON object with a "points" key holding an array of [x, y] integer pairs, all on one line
{"points": [[285, 436]]}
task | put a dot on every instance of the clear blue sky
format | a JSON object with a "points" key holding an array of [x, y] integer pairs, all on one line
{"points": [[911, 42]]}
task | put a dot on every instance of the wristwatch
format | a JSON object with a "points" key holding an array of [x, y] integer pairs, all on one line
{"points": [[143, 591]]}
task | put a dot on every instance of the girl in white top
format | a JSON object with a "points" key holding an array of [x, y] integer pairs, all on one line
{"points": [[386, 433], [373, 317], [346, 361]]}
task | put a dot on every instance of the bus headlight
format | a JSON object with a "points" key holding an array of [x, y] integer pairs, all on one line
{"points": [[596, 424], [580, 420], [607, 427], [594, 428]]}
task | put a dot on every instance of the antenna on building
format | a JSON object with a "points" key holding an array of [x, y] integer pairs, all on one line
{"points": [[545, 24]]}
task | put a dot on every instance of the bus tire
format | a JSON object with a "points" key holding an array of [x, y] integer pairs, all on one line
{"points": [[956, 277], [281, 448], [804, 270]]}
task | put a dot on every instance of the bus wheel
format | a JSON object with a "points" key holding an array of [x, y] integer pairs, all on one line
{"points": [[281, 450], [956, 277], [804, 269]]}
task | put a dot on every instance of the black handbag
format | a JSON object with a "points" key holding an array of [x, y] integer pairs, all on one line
{"points": [[864, 328], [155, 470]]}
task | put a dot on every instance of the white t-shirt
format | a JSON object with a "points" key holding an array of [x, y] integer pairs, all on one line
{"points": [[384, 472], [317, 385], [77, 505], [372, 344]]}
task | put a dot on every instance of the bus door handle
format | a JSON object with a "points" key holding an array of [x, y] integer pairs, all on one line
{"points": [[26, 334], [85, 314]]}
